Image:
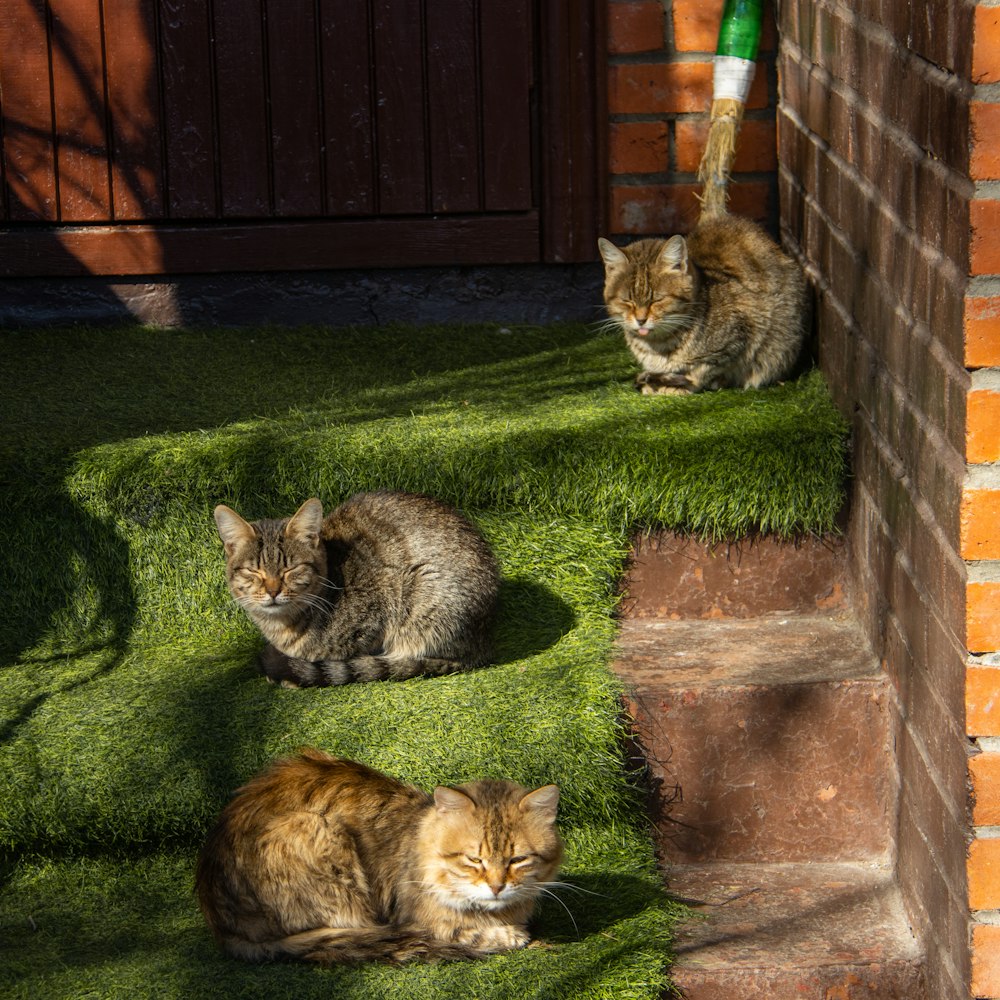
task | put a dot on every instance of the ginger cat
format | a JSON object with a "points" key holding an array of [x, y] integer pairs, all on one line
{"points": [[329, 861]]}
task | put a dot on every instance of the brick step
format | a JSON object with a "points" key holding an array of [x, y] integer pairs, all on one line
{"points": [[766, 728], [794, 932], [766, 739]]}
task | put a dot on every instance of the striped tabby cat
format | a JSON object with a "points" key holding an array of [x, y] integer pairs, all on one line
{"points": [[724, 308], [388, 585]]}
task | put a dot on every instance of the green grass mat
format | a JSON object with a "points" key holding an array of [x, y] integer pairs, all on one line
{"points": [[130, 708]]}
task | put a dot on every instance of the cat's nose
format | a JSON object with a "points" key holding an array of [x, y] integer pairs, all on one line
{"points": [[272, 585], [497, 886]]}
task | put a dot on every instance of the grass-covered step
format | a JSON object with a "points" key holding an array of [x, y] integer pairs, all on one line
{"points": [[131, 708]]}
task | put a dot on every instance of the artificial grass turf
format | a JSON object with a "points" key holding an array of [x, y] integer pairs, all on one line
{"points": [[130, 708]]}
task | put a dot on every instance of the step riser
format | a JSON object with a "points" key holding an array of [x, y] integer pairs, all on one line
{"points": [[768, 774], [767, 731], [670, 576], [853, 982], [786, 932]]}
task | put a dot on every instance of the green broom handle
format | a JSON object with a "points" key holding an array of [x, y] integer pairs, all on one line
{"points": [[739, 31], [735, 55]]}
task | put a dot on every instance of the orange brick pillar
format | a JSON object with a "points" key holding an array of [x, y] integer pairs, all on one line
{"points": [[659, 99], [980, 513]]}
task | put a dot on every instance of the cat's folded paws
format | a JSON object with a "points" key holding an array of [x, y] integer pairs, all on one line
{"points": [[663, 384], [500, 937], [285, 671]]}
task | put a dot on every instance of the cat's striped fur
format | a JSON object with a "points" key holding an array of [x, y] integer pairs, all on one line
{"points": [[330, 861], [388, 585], [724, 308]]}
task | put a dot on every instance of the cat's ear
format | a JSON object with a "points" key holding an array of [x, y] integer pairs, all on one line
{"points": [[232, 528], [542, 801], [305, 523], [451, 800], [613, 257], [674, 255]]}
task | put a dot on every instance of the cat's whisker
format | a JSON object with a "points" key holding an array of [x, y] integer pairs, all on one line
{"points": [[548, 892], [574, 888]]}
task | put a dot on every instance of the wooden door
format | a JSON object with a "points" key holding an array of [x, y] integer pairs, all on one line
{"points": [[170, 136]]}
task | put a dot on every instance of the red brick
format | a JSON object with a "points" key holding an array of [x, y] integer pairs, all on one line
{"points": [[696, 26], [653, 210], [982, 701], [984, 770], [659, 88], [986, 45], [756, 146], [980, 524], [982, 426], [982, 332], [984, 245], [983, 617], [984, 874], [984, 125], [638, 147], [672, 88], [635, 27], [985, 960]]}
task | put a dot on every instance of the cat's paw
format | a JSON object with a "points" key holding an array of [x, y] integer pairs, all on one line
{"points": [[663, 384], [499, 937]]}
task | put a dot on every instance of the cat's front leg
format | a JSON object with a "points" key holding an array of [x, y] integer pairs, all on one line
{"points": [[664, 384]]}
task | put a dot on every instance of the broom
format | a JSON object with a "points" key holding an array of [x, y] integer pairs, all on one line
{"points": [[732, 73]]}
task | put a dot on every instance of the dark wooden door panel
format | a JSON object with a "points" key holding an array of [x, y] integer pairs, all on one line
{"points": [[155, 120], [189, 121], [296, 125], [348, 117], [507, 181], [29, 168], [133, 112], [80, 121], [243, 122]]}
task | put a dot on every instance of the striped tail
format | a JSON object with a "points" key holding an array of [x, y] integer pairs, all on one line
{"points": [[290, 671], [347, 945]]}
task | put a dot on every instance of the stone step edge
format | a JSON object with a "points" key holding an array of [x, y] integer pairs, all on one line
{"points": [[775, 649], [796, 930]]}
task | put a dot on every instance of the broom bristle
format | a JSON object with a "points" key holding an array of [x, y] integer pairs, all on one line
{"points": [[716, 161]]}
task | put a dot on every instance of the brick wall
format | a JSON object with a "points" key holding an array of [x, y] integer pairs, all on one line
{"points": [[659, 97], [889, 142]]}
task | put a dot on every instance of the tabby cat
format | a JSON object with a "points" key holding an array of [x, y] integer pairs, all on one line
{"points": [[388, 585], [328, 860], [724, 308]]}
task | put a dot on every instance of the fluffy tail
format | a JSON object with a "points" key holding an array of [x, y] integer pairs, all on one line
{"points": [[340, 946], [293, 672]]}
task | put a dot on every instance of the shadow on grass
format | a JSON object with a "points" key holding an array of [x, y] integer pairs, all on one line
{"points": [[69, 389], [532, 619], [115, 918], [75, 596]]}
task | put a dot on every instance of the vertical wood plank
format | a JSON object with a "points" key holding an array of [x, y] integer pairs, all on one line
{"points": [[186, 68], [399, 90], [574, 170], [137, 182], [506, 83], [453, 105], [244, 137], [28, 130], [293, 81], [82, 150], [347, 108]]}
